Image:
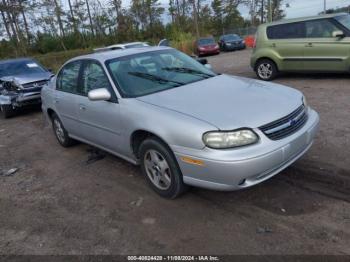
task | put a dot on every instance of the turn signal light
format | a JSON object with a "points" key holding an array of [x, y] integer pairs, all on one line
{"points": [[192, 161]]}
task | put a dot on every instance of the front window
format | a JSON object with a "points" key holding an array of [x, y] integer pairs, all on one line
{"points": [[151, 72], [344, 20], [206, 41], [93, 77], [320, 28], [27, 67]]}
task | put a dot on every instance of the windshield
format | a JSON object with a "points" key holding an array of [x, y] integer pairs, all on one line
{"points": [[344, 20], [151, 72], [231, 37], [13, 68], [206, 41]]}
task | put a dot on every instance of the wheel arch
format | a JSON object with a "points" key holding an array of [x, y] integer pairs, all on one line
{"points": [[140, 135], [50, 112], [266, 58]]}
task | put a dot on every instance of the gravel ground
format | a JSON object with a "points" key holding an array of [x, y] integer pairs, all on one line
{"points": [[57, 203]]}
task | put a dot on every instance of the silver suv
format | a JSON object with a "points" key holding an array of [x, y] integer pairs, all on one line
{"points": [[184, 124]]}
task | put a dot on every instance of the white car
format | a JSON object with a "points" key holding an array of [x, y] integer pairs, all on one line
{"points": [[121, 46]]}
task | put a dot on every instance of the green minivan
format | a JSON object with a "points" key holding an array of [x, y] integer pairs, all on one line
{"points": [[312, 44]]}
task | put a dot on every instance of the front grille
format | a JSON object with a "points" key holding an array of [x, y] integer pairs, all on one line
{"points": [[287, 125], [35, 84]]}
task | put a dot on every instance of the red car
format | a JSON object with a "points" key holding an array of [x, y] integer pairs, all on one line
{"points": [[206, 46]]}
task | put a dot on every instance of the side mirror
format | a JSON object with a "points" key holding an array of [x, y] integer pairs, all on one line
{"points": [[100, 94], [338, 34], [203, 61]]}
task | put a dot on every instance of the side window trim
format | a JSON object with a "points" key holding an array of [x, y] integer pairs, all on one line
{"points": [[114, 98]]}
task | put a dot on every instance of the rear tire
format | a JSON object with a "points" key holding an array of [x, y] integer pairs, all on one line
{"points": [[266, 69], [6, 111], [159, 166], [60, 132]]}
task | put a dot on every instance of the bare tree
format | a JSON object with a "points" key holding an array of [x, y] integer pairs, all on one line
{"points": [[90, 18]]}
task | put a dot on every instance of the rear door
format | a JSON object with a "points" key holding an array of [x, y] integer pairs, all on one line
{"points": [[100, 120], [66, 95], [322, 51], [287, 41]]}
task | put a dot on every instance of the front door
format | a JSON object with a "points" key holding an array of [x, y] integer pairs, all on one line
{"points": [[100, 120], [323, 51]]}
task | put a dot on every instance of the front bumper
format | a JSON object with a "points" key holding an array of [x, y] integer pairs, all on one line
{"points": [[234, 47], [209, 52], [21, 99], [247, 166]]}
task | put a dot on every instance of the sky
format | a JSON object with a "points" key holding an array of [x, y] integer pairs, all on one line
{"points": [[297, 8]]}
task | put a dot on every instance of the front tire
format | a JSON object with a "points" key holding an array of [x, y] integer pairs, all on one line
{"points": [[266, 70], [60, 132], [159, 166], [6, 111]]}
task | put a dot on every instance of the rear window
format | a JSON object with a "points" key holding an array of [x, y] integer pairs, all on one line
{"points": [[286, 31]]}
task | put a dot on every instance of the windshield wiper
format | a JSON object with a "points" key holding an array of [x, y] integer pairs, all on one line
{"points": [[186, 70], [154, 78]]}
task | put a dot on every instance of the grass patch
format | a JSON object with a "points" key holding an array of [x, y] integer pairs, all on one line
{"points": [[55, 60]]}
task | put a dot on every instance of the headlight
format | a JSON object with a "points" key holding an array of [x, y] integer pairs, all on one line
{"points": [[229, 139]]}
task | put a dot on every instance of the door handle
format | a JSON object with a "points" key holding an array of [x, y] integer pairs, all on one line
{"points": [[309, 45], [273, 45], [56, 101], [82, 107]]}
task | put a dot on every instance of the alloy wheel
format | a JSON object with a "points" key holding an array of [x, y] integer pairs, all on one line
{"points": [[59, 130], [265, 70], [157, 169]]}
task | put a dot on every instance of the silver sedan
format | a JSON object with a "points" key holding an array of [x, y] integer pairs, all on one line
{"points": [[184, 124]]}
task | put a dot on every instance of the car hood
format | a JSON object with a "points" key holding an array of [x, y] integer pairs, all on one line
{"points": [[28, 78], [229, 102]]}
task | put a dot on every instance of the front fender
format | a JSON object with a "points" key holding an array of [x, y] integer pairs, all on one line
{"points": [[176, 129]]}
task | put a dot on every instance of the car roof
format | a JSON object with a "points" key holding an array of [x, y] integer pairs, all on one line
{"points": [[133, 43], [112, 54], [125, 44], [22, 59], [301, 19], [121, 46]]}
